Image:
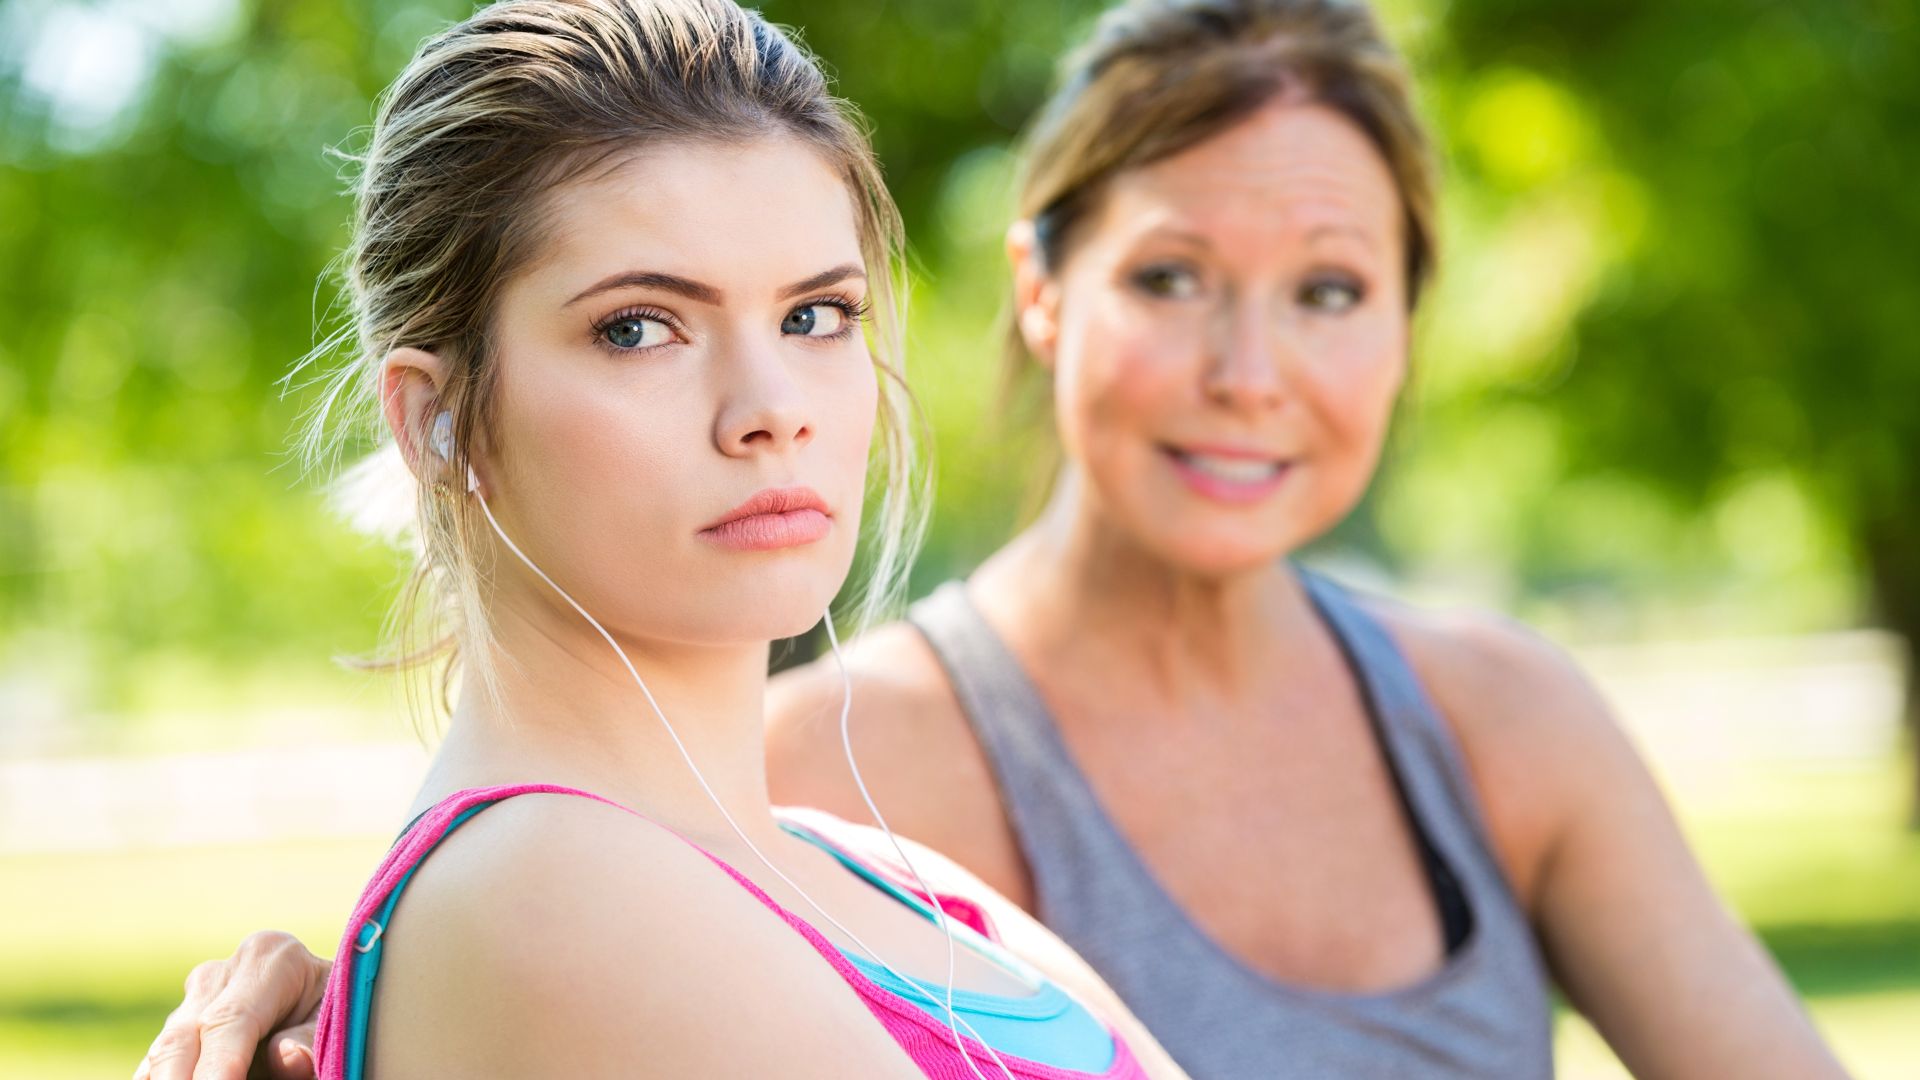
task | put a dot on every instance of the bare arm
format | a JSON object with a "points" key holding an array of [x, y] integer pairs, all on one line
{"points": [[1629, 923], [1646, 949]]}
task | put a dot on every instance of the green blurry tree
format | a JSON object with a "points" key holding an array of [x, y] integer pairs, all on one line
{"points": [[1753, 335], [1676, 301]]}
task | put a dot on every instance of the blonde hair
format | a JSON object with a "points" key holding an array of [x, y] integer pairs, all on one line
{"points": [[490, 114], [1158, 76]]}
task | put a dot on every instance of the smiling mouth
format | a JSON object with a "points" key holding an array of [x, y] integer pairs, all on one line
{"points": [[1235, 470], [1233, 476]]}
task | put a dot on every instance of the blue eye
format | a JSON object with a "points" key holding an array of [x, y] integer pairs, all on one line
{"points": [[1331, 294], [1169, 280], [815, 320], [824, 319], [635, 332]]}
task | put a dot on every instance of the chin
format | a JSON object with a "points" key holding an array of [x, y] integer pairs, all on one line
{"points": [[778, 600], [1221, 549], [1221, 557], [747, 623]]}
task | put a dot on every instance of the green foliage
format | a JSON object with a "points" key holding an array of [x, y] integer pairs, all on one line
{"points": [[1671, 351], [1690, 259]]}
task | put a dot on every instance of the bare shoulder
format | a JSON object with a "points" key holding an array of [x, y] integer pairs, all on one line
{"points": [[915, 748], [896, 679], [1538, 737], [1495, 670], [554, 935], [903, 710]]}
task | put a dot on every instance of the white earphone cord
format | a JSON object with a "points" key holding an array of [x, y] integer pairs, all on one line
{"points": [[954, 1020]]}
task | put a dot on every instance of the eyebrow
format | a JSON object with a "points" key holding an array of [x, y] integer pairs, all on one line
{"points": [[707, 294], [1364, 235], [1172, 232], [823, 279]]}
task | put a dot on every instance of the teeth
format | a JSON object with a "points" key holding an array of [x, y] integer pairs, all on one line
{"points": [[1234, 470]]}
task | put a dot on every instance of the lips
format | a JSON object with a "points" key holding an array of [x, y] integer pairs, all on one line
{"points": [[1228, 474], [772, 519]]}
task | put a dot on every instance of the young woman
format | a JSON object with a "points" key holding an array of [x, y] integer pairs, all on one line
{"points": [[1302, 832], [613, 267]]}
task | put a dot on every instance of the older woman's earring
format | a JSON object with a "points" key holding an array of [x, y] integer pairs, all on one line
{"points": [[440, 438]]}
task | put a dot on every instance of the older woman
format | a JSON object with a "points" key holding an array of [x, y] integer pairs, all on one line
{"points": [[1301, 832]]}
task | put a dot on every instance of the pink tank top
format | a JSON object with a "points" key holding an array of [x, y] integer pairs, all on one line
{"points": [[926, 1040]]}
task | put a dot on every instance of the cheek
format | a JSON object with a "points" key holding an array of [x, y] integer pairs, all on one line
{"points": [[848, 414], [597, 462], [605, 437], [1352, 382], [1121, 367]]}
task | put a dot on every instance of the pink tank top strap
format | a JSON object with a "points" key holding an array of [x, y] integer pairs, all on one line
{"points": [[330, 1028]]}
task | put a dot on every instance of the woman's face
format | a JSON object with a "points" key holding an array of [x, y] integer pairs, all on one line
{"points": [[1228, 334], [688, 341]]}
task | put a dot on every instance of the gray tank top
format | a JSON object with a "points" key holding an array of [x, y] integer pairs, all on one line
{"points": [[1483, 1014]]}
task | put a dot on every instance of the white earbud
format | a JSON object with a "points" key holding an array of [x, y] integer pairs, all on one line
{"points": [[440, 443], [440, 437]]}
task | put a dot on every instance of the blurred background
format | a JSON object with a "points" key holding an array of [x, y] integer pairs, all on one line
{"points": [[1666, 407]]}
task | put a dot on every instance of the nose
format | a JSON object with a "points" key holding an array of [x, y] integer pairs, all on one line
{"points": [[763, 408], [1244, 371]]}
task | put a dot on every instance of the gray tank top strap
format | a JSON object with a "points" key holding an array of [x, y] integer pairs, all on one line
{"points": [[1043, 791], [1419, 746], [1484, 1014]]}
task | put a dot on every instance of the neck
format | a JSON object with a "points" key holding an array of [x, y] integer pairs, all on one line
{"points": [[1188, 632], [564, 709]]}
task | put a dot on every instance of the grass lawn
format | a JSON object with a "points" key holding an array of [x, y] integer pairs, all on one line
{"points": [[93, 947]]}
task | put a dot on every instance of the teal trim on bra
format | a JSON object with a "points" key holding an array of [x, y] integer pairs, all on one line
{"points": [[371, 941]]}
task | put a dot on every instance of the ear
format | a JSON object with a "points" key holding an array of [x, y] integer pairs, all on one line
{"points": [[410, 382], [1036, 293]]}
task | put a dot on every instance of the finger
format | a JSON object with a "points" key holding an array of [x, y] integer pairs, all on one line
{"points": [[291, 1055], [222, 1062], [173, 1052], [231, 1031], [177, 1047]]}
